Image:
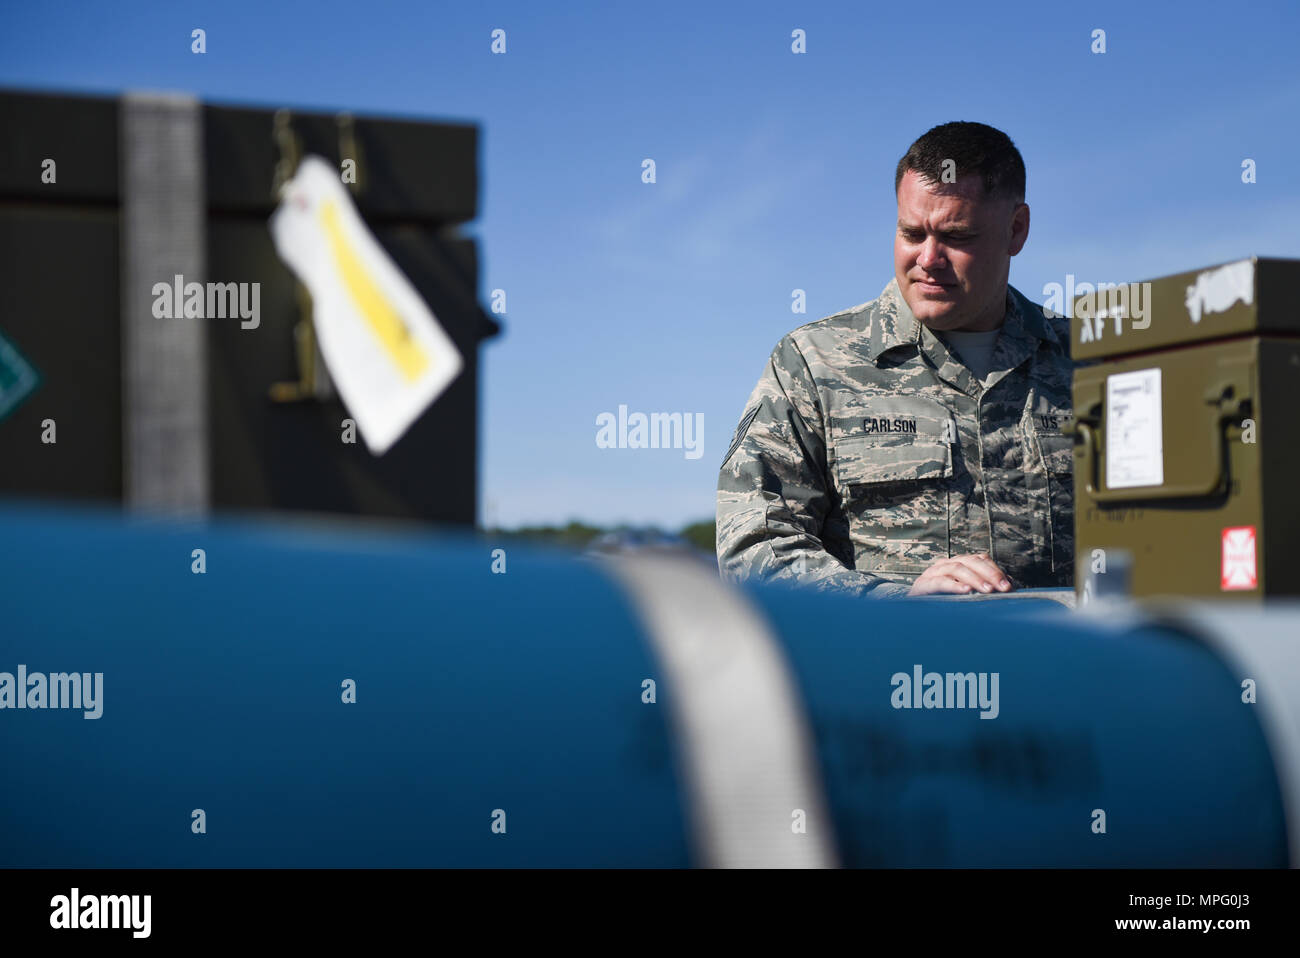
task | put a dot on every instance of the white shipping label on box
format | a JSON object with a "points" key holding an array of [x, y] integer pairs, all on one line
{"points": [[1135, 452], [387, 353]]}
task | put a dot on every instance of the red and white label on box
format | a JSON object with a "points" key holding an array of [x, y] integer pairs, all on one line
{"points": [[1238, 568]]}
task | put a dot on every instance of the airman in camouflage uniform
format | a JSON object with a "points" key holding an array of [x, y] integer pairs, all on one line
{"points": [[868, 451]]}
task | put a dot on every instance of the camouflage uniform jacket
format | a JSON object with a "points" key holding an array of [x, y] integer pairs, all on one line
{"points": [[868, 450]]}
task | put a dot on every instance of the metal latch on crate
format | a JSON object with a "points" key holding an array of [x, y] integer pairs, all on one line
{"points": [[313, 380]]}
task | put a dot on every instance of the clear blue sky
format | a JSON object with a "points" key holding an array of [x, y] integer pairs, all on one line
{"points": [[775, 172]]}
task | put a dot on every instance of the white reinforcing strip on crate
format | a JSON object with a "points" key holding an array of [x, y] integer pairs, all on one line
{"points": [[748, 754], [164, 361]]}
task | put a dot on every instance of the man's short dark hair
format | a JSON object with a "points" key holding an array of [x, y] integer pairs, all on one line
{"points": [[973, 148]]}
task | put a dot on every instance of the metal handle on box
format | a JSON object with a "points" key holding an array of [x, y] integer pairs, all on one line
{"points": [[1226, 395]]}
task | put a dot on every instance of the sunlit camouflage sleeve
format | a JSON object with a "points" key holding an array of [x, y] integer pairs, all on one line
{"points": [[868, 450]]}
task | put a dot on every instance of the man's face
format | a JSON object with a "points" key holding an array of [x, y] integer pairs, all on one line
{"points": [[953, 249]]}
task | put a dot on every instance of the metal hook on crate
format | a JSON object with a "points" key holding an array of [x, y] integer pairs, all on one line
{"points": [[313, 379], [288, 150]]}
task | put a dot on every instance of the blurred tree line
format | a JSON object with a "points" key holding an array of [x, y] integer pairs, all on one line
{"points": [[579, 535]]}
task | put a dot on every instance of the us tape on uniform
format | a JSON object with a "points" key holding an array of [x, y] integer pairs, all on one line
{"points": [[386, 351]]}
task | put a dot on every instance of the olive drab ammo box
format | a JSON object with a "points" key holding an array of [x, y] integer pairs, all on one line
{"points": [[1187, 433]]}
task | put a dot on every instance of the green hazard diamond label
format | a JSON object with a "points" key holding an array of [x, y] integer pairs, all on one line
{"points": [[18, 378]]}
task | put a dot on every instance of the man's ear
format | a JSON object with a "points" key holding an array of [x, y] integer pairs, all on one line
{"points": [[1019, 229]]}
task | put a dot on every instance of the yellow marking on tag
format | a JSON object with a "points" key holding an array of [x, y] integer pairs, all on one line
{"points": [[384, 321]]}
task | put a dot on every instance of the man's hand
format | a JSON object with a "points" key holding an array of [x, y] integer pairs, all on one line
{"points": [[961, 574]]}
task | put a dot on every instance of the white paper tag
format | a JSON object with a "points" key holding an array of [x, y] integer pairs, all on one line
{"points": [[1135, 453], [386, 352]]}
